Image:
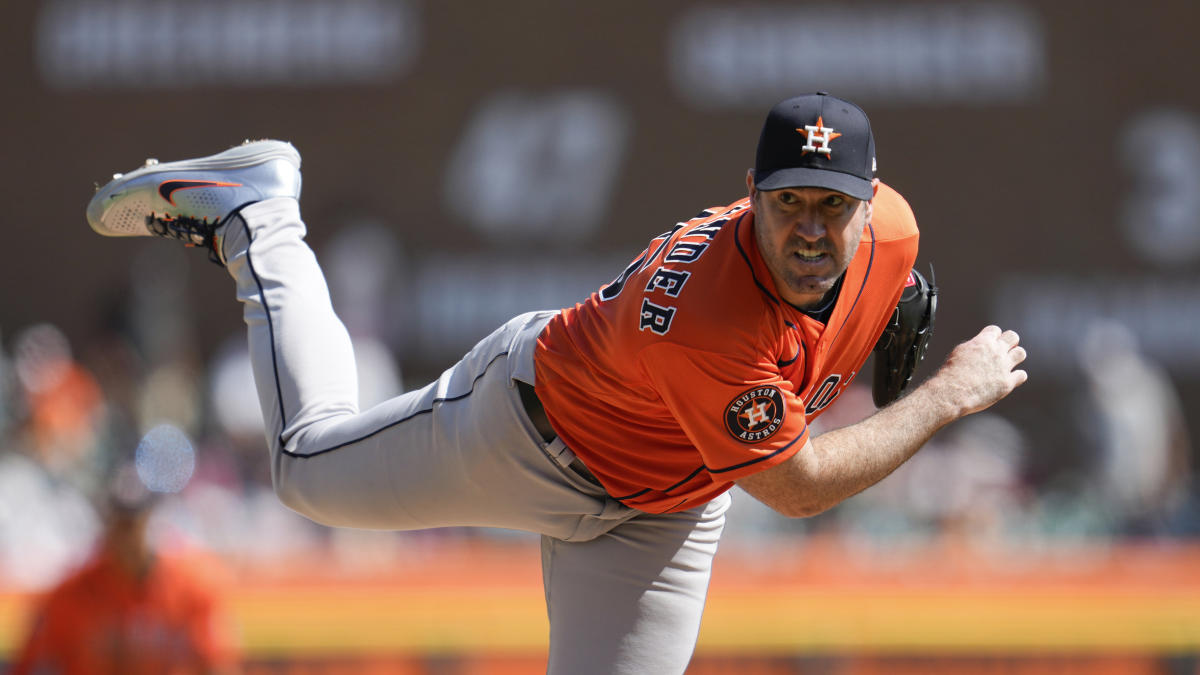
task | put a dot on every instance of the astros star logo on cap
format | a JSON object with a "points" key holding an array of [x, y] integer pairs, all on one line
{"points": [[818, 138]]}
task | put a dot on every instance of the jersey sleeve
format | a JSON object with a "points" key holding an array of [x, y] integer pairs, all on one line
{"points": [[740, 417]]}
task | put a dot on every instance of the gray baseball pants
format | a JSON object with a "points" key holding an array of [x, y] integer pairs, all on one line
{"points": [[624, 589]]}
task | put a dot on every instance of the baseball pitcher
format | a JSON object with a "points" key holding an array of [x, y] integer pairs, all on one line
{"points": [[614, 428]]}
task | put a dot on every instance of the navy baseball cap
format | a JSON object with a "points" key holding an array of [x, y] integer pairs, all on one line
{"points": [[816, 140]]}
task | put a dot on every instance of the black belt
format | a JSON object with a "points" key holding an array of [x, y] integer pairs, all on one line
{"points": [[537, 414], [535, 411]]}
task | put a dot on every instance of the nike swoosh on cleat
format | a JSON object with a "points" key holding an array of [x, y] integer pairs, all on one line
{"points": [[169, 187]]}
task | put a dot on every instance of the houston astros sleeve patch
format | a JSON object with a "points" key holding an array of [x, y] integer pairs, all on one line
{"points": [[756, 414]]}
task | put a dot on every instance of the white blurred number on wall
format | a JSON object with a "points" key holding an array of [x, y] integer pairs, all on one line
{"points": [[538, 166], [1160, 151]]}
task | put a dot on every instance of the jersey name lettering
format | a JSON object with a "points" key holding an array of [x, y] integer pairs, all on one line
{"points": [[671, 281], [614, 289], [656, 318], [710, 230], [686, 251]]}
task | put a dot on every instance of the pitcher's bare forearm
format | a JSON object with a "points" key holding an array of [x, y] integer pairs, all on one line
{"points": [[844, 462]]}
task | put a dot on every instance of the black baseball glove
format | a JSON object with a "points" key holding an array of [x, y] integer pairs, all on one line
{"points": [[905, 339]]}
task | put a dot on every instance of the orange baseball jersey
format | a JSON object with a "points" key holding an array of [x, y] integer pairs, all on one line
{"points": [[688, 371], [100, 620]]}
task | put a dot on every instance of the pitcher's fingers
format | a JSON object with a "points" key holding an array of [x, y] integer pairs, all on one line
{"points": [[1010, 337]]}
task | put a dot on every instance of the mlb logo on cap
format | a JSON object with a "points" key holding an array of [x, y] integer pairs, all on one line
{"points": [[816, 140]]}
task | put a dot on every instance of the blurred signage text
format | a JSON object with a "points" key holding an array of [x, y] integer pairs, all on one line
{"points": [[175, 44]]}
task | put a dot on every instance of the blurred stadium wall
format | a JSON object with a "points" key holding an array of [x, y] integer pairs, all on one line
{"points": [[514, 155]]}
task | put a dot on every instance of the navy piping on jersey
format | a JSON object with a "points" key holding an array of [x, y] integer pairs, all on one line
{"points": [[703, 467], [784, 364], [799, 350], [279, 392], [639, 493], [664, 490], [685, 480], [802, 350], [866, 276], [764, 457], [737, 239]]}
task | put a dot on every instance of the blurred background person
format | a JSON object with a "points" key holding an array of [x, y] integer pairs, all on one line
{"points": [[131, 609], [48, 458], [1132, 420]]}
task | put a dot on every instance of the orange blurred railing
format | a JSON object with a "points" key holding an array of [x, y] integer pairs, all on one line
{"points": [[818, 596]]}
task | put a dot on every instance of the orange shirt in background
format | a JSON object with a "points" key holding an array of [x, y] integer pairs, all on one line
{"points": [[101, 620]]}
